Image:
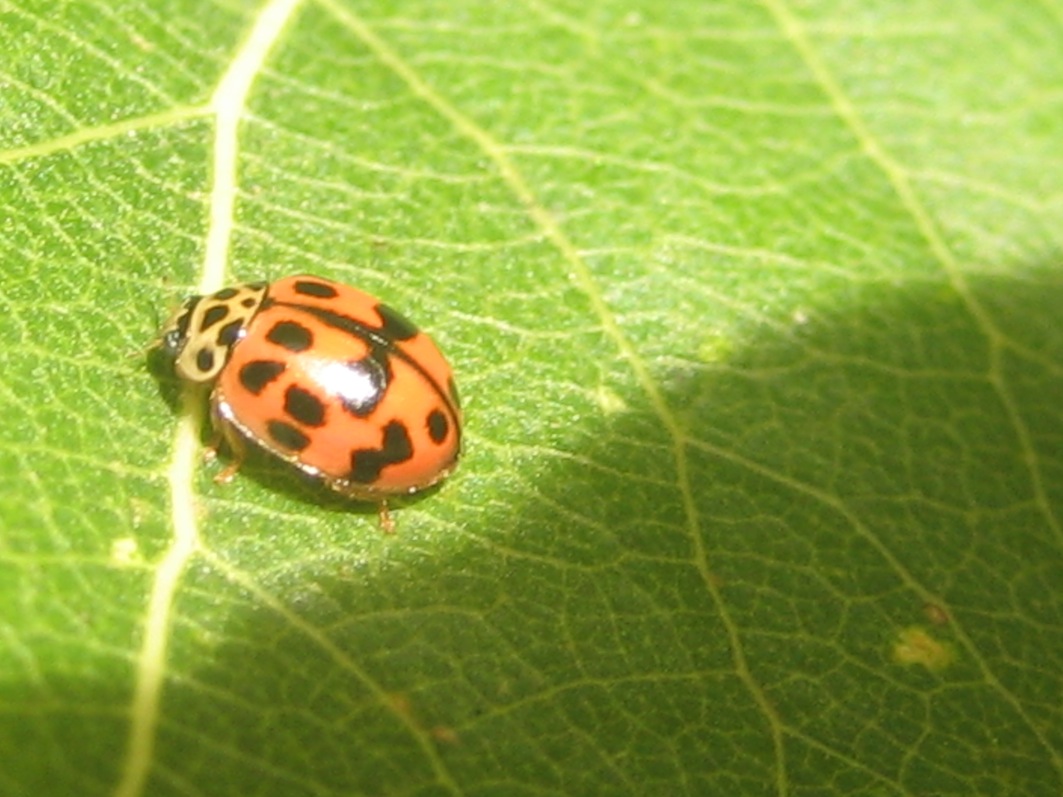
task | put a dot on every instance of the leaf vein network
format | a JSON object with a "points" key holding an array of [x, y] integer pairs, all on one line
{"points": [[585, 281], [998, 344]]}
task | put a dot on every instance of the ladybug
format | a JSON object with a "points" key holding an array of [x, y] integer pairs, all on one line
{"points": [[325, 377]]}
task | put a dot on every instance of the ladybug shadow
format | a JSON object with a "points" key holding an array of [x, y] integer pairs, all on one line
{"points": [[279, 477], [160, 366], [260, 465]]}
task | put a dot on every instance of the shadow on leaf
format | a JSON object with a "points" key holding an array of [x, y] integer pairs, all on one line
{"points": [[640, 614]]}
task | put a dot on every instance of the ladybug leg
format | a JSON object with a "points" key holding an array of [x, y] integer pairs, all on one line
{"points": [[387, 523], [210, 451], [236, 446], [223, 430]]}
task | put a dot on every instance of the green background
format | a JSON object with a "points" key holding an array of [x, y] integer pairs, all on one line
{"points": [[755, 311]]}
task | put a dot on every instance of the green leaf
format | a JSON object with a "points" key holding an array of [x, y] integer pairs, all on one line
{"points": [[755, 312]]}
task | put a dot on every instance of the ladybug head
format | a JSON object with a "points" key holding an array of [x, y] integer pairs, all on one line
{"points": [[174, 334], [164, 352]]}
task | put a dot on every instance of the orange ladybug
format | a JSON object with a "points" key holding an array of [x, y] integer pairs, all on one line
{"points": [[327, 378]]}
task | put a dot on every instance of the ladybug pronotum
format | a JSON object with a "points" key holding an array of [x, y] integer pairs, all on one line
{"points": [[325, 377]]}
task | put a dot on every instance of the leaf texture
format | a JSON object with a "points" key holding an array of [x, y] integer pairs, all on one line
{"points": [[754, 308]]}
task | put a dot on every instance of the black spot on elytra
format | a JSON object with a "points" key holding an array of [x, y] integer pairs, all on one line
{"points": [[363, 385], [367, 463], [230, 333], [225, 294], [205, 360], [304, 406], [438, 426], [320, 290], [291, 336], [396, 326], [257, 374], [214, 315], [287, 436]]}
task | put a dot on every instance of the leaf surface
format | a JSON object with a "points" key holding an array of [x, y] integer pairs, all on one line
{"points": [[754, 309]]}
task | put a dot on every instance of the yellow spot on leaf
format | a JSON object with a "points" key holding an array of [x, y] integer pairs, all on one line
{"points": [[125, 552], [716, 349], [915, 645], [610, 401]]}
